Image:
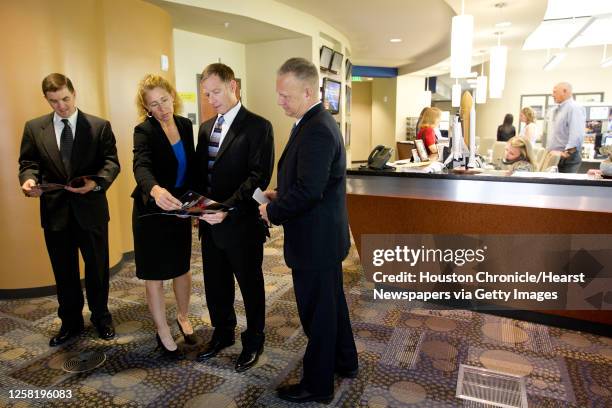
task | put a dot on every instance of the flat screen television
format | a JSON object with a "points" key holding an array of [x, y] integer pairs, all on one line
{"points": [[331, 95], [326, 54], [336, 63]]}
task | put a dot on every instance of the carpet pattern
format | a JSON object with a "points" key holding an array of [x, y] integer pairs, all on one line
{"points": [[409, 355]]}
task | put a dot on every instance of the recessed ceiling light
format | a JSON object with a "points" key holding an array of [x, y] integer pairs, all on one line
{"points": [[503, 24], [395, 40]]}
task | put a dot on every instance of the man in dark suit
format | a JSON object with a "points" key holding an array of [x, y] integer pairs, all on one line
{"points": [[57, 148], [310, 204], [235, 155]]}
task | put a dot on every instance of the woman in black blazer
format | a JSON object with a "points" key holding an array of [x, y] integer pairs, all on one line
{"points": [[163, 163]]}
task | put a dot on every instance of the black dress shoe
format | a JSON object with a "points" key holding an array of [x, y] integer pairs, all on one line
{"points": [[247, 359], [106, 331], [213, 348], [297, 394], [65, 334], [348, 373], [175, 354], [189, 338]]}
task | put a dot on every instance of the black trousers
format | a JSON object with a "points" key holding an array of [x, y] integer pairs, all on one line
{"points": [[220, 266], [324, 316], [63, 249]]}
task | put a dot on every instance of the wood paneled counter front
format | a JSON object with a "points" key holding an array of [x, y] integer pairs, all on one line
{"points": [[387, 202]]}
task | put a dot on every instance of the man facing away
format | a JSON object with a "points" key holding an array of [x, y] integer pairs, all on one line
{"points": [[567, 130], [310, 204], [56, 148], [235, 156]]}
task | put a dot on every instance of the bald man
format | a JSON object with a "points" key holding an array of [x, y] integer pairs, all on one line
{"points": [[567, 130]]}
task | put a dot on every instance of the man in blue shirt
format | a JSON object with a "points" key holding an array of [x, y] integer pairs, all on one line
{"points": [[567, 133]]}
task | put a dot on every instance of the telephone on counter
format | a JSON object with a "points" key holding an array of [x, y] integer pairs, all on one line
{"points": [[379, 157]]}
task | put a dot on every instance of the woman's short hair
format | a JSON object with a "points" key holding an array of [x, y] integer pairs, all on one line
{"points": [[431, 117], [524, 147], [149, 82], [54, 82], [529, 114]]}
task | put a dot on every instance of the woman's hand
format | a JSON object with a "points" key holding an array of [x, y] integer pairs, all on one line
{"points": [[164, 199]]}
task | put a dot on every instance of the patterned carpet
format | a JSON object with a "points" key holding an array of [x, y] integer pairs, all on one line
{"points": [[409, 356]]}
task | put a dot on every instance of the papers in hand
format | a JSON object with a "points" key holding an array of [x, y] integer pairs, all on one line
{"points": [[75, 183], [260, 197], [194, 205]]}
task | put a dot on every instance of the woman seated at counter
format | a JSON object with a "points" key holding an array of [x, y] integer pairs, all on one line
{"points": [[519, 155], [427, 133]]}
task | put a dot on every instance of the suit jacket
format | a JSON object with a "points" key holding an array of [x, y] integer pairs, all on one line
{"points": [[244, 162], [155, 163], [311, 203], [93, 153]]}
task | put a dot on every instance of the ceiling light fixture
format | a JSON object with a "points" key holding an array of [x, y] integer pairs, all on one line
{"points": [[481, 85], [462, 33], [554, 60], [497, 68], [503, 24], [395, 40]]}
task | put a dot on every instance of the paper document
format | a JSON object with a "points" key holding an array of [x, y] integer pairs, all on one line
{"points": [[194, 205], [259, 196], [75, 182]]}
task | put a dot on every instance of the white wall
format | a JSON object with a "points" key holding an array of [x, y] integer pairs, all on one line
{"points": [[384, 92], [409, 102], [262, 61], [526, 76], [361, 113], [193, 52]]}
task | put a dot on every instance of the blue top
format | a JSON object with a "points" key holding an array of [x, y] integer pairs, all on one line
{"points": [[179, 152]]}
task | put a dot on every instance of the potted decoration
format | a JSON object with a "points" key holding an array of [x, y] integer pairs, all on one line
{"points": [[606, 165]]}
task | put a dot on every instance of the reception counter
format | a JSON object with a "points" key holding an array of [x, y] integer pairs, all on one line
{"points": [[388, 202]]}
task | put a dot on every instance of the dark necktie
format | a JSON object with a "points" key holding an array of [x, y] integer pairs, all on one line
{"points": [[213, 149], [66, 141]]}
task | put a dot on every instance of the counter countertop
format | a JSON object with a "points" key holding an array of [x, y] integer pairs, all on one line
{"points": [[479, 177], [585, 195]]}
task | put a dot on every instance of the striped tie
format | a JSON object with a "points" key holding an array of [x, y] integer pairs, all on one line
{"points": [[66, 140], [213, 148]]}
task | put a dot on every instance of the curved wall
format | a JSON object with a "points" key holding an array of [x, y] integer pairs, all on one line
{"points": [[98, 45]]}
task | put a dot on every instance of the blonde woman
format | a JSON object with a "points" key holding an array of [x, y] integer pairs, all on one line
{"points": [[519, 155], [163, 167], [529, 131], [429, 122]]}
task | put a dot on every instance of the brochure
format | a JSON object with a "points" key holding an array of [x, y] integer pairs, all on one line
{"points": [[194, 205], [75, 183]]}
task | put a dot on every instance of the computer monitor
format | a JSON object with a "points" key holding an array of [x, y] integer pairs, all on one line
{"points": [[331, 95], [326, 54], [598, 112], [336, 63]]}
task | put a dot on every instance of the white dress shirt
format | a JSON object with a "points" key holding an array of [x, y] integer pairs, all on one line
{"points": [[228, 118], [58, 125], [567, 126]]}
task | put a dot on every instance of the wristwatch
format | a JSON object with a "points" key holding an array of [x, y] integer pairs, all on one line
{"points": [[97, 188]]}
